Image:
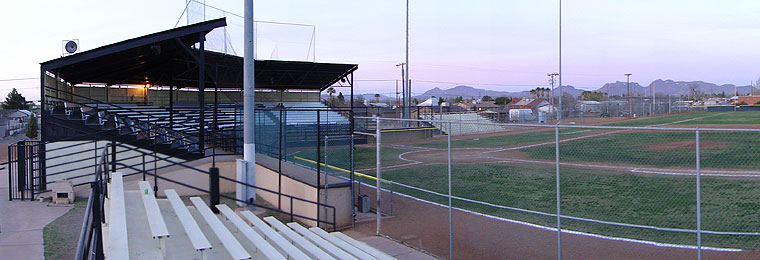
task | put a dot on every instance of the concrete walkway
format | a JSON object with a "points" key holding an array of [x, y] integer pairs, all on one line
{"points": [[21, 224], [390, 247]]}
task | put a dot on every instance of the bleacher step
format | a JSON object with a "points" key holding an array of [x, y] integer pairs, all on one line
{"points": [[141, 243]]}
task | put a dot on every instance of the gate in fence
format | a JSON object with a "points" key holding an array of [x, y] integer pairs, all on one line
{"points": [[24, 167]]}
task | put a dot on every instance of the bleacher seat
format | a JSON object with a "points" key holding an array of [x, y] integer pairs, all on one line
{"points": [[195, 229]]}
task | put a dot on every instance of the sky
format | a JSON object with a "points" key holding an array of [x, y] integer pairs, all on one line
{"points": [[497, 45]]}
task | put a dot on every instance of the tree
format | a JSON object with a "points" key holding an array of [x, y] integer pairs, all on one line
{"points": [[31, 127], [341, 99], [377, 97], [458, 99], [742, 103], [14, 100], [487, 98], [330, 91], [533, 93], [503, 100]]}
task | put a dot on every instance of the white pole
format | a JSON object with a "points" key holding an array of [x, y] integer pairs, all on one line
{"points": [[451, 230], [249, 138], [559, 116], [407, 111], [377, 171], [699, 200]]}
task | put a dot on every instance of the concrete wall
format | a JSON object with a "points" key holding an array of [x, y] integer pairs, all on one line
{"points": [[76, 163], [293, 183]]}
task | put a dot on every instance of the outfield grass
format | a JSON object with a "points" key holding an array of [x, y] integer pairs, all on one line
{"points": [[731, 150], [364, 157], [662, 201], [662, 119], [541, 136], [728, 118]]}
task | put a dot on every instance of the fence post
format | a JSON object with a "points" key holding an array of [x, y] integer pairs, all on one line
{"points": [[21, 168], [113, 156], [559, 218], [213, 188], [377, 171], [97, 221], [451, 231], [10, 172], [699, 200], [143, 166]]}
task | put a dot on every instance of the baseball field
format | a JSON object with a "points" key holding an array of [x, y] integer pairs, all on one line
{"points": [[621, 183]]}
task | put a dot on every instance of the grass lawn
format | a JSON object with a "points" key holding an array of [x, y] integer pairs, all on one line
{"points": [[60, 237], [663, 201], [729, 118], [509, 139], [663, 119], [732, 150], [364, 157]]}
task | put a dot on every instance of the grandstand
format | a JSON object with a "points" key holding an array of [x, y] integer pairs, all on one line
{"points": [[465, 123], [163, 108]]}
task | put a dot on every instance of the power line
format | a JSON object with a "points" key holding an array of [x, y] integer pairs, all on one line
{"points": [[18, 79]]}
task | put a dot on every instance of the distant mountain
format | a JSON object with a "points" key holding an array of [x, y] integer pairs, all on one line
{"points": [[471, 92], [677, 88], [618, 88], [671, 87]]}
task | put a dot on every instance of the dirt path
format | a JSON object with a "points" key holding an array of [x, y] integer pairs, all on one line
{"points": [[476, 236]]}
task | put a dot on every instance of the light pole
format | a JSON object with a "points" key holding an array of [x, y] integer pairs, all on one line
{"points": [[403, 89], [552, 75], [628, 83]]}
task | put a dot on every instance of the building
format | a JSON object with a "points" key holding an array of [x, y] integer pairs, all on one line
{"points": [[750, 100]]}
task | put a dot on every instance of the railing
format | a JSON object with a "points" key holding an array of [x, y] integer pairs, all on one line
{"points": [[90, 245]]}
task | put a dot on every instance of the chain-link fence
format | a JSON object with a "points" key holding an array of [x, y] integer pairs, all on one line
{"points": [[625, 191]]}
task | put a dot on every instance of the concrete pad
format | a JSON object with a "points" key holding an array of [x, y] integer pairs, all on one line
{"points": [[388, 246], [21, 224], [414, 255]]}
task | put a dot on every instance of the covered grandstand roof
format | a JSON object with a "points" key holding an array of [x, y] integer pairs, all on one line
{"points": [[168, 58]]}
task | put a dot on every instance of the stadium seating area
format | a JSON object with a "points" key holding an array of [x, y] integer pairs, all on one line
{"points": [[463, 123], [140, 226]]}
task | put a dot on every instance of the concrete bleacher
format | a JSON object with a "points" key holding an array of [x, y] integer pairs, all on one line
{"points": [[140, 226], [468, 123]]}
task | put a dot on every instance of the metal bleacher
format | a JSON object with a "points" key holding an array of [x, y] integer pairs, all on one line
{"points": [[467, 123], [168, 228]]}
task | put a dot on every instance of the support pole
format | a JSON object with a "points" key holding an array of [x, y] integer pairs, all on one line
{"points": [[559, 115], [408, 91], [43, 108], [451, 230], [559, 213], [699, 200], [202, 95], [249, 140], [377, 171], [213, 188], [113, 156]]}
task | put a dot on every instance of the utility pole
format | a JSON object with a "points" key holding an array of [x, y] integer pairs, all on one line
{"points": [[628, 83], [403, 89], [552, 75]]}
